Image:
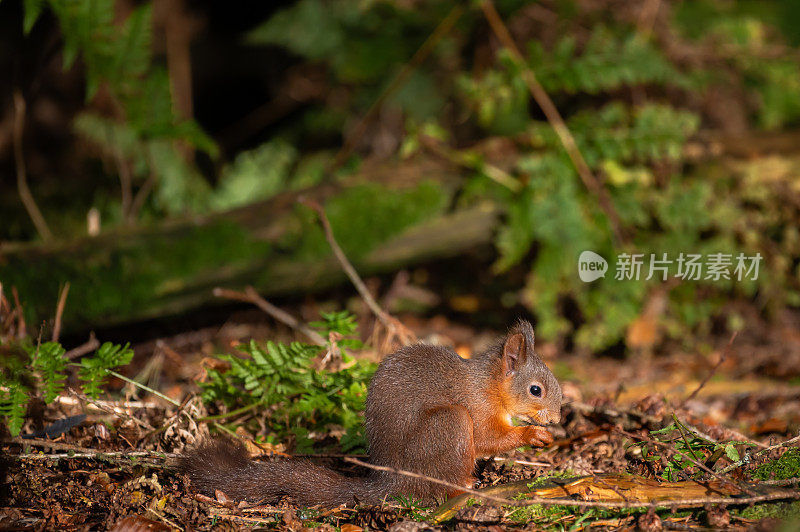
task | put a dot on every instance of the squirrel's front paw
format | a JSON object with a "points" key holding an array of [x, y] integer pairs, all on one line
{"points": [[538, 436]]}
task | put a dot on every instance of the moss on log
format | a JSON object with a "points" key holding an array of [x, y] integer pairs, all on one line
{"points": [[131, 274]]}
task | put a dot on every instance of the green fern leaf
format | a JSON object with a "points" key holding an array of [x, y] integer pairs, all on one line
{"points": [[131, 49], [14, 400], [94, 370], [48, 362]]}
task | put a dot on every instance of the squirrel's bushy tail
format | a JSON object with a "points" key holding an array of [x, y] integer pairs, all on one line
{"points": [[224, 465]]}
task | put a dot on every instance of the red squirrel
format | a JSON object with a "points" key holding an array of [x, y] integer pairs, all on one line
{"points": [[428, 411]]}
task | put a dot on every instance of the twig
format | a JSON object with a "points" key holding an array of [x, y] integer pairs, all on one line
{"points": [[6, 313], [395, 328], [33, 442], [736, 434], [779, 445], [743, 461], [775, 495], [91, 454], [556, 121], [498, 175], [22, 329], [521, 462], [62, 300], [421, 54], [84, 349], [125, 183], [741, 437], [347, 266], [723, 355], [147, 186], [160, 459], [141, 195], [73, 401], [22, 174], [251, 296], [248, 520], [9, 313], [172, 524], [104, 407], [782, 482], [330, 455], [411, 474]]}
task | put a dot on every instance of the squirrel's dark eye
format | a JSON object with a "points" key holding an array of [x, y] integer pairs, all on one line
{"points": [[536, 390]]}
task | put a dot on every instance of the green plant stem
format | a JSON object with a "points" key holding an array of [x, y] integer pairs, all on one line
{"points": [[225, 429], [143, 387], [232, 413], [681, 429], [494, 173]]}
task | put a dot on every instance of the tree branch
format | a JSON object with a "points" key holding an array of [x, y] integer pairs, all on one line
{"points": [[723, 355], [251, 296], [393, 326]]}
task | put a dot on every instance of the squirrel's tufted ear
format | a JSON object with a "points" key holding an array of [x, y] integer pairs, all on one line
{"points": [[517, 346], [513, 353], [525, 328]]}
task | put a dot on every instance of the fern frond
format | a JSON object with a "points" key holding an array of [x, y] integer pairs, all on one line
{"points": [[94, 370], [130, 55], [49, 363], [299, 397], [14, 399], [607, 62], [342, 323]]}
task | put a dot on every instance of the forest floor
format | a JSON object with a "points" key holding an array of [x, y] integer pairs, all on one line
{"points": [[746, 391]]}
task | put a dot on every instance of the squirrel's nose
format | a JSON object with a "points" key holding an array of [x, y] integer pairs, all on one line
{"points": [[551, 416]]}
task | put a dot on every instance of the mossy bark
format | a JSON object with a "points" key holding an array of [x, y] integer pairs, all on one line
{"points": [[395, 219]]}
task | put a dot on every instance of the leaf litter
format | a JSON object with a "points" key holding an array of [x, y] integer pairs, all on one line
{"points": [[616, 444]]}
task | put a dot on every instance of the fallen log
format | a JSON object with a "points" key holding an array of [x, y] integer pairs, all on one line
{"points": [[398, 217], [618, 490]]}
